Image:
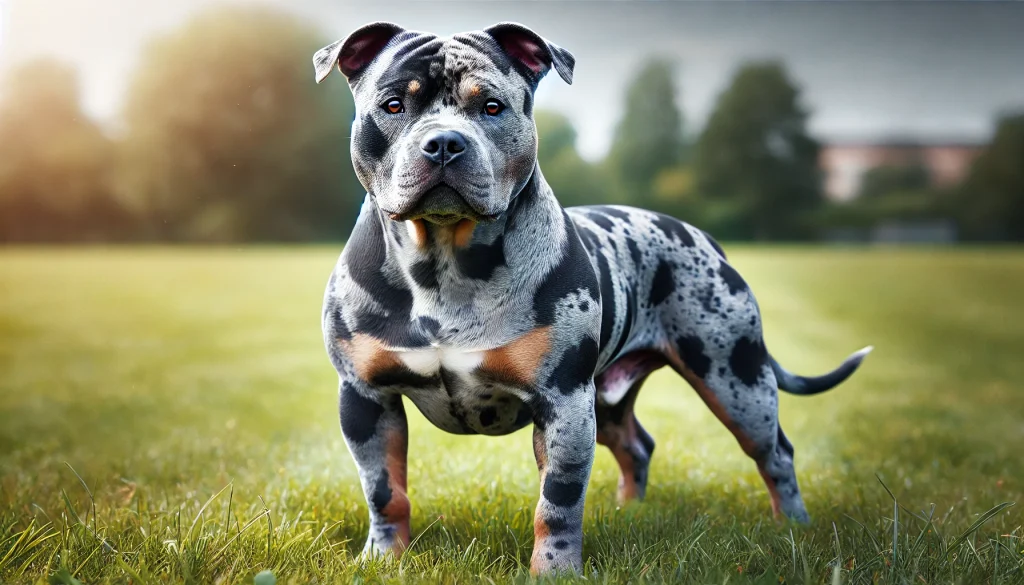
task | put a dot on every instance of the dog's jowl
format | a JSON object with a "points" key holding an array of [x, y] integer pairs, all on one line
{"points": [[466, 288]]}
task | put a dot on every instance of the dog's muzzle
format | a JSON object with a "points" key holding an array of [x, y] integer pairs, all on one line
{"points": [[441, 205]]}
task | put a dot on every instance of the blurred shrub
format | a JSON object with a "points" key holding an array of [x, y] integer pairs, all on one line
{"points": [[55, 165], [990, 204], [573, 180], [649, 137], [756, 160], [229, 139], [886, 179]]}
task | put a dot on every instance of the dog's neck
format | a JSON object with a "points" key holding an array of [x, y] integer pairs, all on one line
{"points": [[419, 247]]}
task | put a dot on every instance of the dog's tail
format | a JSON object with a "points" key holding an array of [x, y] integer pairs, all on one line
{"points": [[805, 386]]}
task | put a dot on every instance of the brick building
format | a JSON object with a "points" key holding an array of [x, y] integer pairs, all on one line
{"points": [[845, 162]]}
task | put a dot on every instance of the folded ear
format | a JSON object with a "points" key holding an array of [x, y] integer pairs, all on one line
{"points": [[353, 53], [531, 50]]}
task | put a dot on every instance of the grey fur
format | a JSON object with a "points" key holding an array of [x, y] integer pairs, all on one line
{"points": [[467, 289]]}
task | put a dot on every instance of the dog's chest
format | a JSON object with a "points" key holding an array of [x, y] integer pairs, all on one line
{"points": [[459, 389], [466, 394], [431, 361]]}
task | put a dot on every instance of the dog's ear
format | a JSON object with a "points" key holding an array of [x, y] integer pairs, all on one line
{"points": [[353, 53], [531, 50]]}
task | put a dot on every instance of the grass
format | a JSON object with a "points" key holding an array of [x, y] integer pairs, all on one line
{"points": [[169, 415]]}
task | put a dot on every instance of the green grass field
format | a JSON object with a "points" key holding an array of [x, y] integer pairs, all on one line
{"points": [[169, 415]]}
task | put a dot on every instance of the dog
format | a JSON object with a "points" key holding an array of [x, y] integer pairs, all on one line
{"points": [[466, 288]]}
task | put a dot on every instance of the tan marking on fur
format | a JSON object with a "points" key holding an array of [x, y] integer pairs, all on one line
{"points": [[716, 407], [776, 500], [369, 357], [518, 361], [418, 229], [541, 532], [540, 451], [711, 400], [414, 86], [463, 232], [474, 90], [617, 441], [398, 509]]}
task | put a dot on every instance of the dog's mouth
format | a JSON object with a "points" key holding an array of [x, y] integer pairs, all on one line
{"points": [[441, 205]]}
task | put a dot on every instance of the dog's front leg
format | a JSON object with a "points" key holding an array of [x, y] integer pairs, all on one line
{"points": [[376, 432], [563, 440]]}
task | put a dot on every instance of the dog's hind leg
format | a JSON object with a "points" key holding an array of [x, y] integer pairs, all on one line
{"points": [[617, 425], [740, 389], [620, 431]]}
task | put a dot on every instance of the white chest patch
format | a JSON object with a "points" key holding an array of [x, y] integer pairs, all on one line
{"points": [[429, 361]]}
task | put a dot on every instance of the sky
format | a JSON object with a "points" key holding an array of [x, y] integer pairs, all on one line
{"points": [[868, 70]]}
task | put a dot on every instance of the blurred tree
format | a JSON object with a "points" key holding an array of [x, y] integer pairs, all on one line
{"points": [[649, 137], [54, 162], [228, 137], [755, 160], [573, 180], [887, 179], [990, 205]]}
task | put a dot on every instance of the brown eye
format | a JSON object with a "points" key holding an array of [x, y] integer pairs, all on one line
{"points": [[394, 106], [493, 107]]}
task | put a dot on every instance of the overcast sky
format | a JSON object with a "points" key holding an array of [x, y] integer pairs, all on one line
{"points": [[908, 69]]}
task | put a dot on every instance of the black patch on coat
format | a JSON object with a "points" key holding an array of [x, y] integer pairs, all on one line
{"points": [[381, 495], [424, 272], [576, 365], [359, 415], [561, 544], [370, 141], [671, 226], [487, 45], [562, 493], [747, 360], [572, 273], [784, 443], [339, 329], [662, 285], [600, 219], [404, 377], [590, 239], [365, 257], [614, 212], [714, 244], [607, 299], [527, 103], [541, 411], [412, 59], [430, 325], [479, 260], [708, 300], [634, 251], [691, 351], [732, 278], [488, 415], [627, 323]]}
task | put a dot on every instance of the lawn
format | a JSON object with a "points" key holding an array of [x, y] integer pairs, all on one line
{"points": [[169, 415]]}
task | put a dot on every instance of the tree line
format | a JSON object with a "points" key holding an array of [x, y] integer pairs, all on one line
{"points": [[223, 138]]}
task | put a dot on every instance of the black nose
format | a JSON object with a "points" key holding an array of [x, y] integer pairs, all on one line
{"points": [[443, 147]]}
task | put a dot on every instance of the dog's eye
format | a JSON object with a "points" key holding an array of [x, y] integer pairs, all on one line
{"points": [[394, 106], [493, 107]]}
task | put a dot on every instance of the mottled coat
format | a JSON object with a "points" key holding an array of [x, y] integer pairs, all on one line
{"points": [[467, 289]]}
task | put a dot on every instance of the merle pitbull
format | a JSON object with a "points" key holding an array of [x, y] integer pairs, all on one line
{"points": [[468, 289]]}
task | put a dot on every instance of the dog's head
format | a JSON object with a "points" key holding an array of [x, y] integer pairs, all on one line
{"points": [[444, 128]]}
